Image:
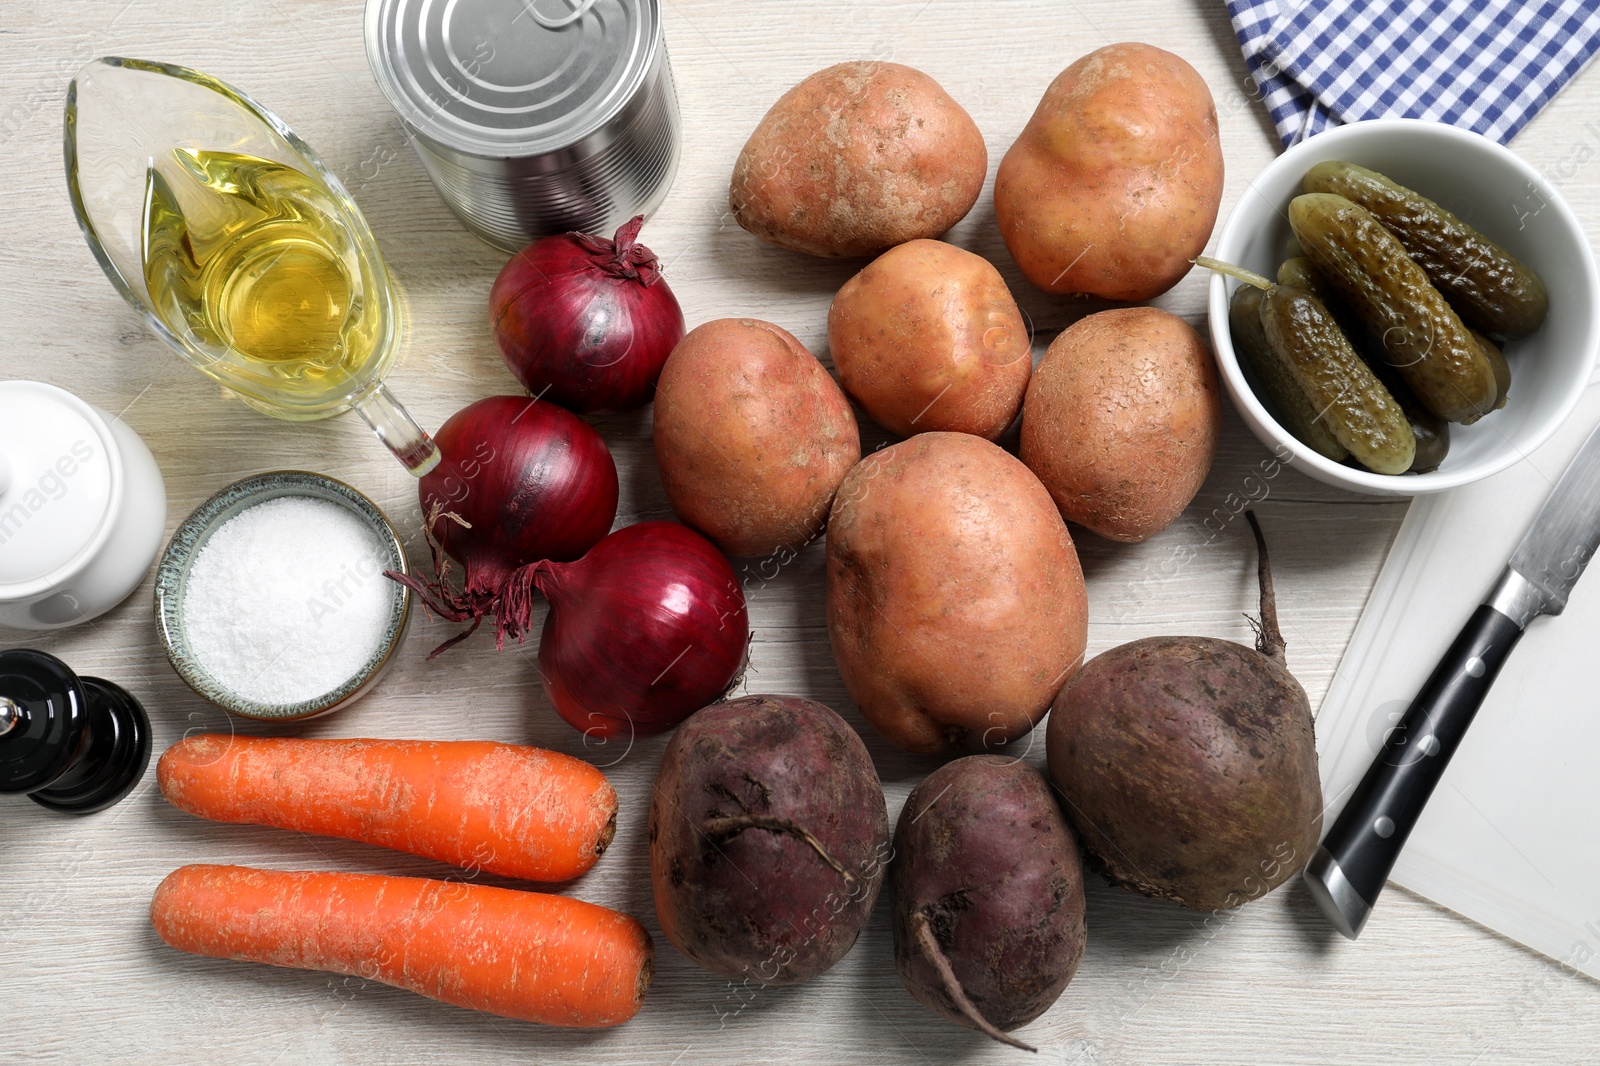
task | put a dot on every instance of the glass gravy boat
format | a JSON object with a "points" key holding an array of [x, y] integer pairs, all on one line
{"points": [[237, 244]]}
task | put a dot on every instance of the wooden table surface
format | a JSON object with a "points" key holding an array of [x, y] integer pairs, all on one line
{"points": [[85, 977]]}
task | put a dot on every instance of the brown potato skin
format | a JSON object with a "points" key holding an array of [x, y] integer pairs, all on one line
{"points": [[856, 159], [1121, 421], [761, 905], [956, 604], [927, 337], [1189, 769], [981, 849], [752, 436], [1113, 186]]}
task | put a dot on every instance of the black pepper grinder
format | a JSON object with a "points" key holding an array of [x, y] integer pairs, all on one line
{"points": [[73, 744]]}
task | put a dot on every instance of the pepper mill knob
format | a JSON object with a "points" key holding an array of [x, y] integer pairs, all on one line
{"points": [[73, 744]]}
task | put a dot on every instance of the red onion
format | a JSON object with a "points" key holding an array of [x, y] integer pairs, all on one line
{"points": [[520, 481], [643, 631], [586, 322]]}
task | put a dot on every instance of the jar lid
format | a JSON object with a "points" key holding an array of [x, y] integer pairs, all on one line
{"points": [[59, 472], [510, 78]]}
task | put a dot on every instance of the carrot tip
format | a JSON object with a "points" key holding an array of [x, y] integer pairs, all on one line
{"points": [[647, 973]]}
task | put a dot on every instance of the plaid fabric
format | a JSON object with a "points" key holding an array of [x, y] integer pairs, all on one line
{"points": [[1487, 65]]}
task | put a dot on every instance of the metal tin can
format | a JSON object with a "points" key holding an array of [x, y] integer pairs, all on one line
{"points": [[532, 116]]}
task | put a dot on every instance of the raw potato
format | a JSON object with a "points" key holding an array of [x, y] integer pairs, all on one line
{"points": [[956, 603], [856, 159], [927, 337], [752, 436], [987, 887], [1113, 186], [768, 839], [1121, 421]]}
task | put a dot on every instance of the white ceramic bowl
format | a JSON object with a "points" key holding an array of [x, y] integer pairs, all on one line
{"points": [[1489, 187]]}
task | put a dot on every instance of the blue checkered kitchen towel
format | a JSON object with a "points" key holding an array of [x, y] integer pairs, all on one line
{"points": [[1486, 65]]}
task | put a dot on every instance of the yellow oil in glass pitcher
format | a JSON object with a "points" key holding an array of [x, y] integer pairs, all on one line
{"points": [[237, 244]]}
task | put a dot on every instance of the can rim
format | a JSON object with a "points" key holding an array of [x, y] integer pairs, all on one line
{"points": [[513, 144]]}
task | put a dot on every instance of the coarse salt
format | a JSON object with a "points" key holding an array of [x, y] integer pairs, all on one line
{"points": [[286, 601]]}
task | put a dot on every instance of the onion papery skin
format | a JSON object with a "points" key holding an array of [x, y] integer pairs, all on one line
{"points": [[586, 322], [643, 631], [520, 481]]}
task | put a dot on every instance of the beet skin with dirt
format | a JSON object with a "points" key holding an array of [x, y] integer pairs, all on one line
{"points": [[769, 836]]}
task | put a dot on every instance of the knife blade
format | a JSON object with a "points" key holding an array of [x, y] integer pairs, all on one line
{"points": [[1348, 871]]}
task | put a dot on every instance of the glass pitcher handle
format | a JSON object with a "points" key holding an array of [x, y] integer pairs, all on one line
{"points": [[398, 431]]}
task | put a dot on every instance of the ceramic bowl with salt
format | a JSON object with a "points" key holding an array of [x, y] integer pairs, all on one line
{"points": [[271, 600]]}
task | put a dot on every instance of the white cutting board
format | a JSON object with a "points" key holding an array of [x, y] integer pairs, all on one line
{"points": [[1511, 837]]}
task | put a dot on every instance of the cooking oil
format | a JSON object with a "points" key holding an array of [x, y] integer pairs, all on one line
{"points": [[249, 260]]}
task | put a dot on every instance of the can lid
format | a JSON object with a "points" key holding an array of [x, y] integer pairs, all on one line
{"points": [[58, 472], [510, 78]]}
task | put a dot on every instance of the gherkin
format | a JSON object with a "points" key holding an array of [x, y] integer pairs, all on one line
{"points": [[1353, 403], [1492, 290], [1431, 431], [1277, 385], [1422, 337]]}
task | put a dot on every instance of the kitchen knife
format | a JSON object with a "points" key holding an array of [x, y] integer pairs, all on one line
{"points": [[1349, 869]]}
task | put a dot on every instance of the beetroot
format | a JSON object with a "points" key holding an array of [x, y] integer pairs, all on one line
{"points": [[1189, 765], [768, 838], [988, 895]]}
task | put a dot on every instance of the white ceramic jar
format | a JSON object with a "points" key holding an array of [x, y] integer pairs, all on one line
{"points": [[82, 508]]}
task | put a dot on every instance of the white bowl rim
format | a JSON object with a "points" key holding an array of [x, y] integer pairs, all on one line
{"points": [[1366, 481]]}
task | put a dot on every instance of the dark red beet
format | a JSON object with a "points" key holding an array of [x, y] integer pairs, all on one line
{"points": [[987, 886], [586, 322], [768, 839], [1189, 765]]}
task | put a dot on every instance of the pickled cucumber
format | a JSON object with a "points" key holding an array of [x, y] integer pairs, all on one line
{"points": [[1421, 336], [1432, 434], [1492, 290], [1298, 271], [1357, 409], [1278, 388], [1431, 431], [1502, 370]]}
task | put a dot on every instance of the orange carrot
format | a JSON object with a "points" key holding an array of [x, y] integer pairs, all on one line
{"points": [[526, 955], [511, 810]]}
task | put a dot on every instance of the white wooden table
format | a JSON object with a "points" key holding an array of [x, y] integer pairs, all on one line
{"points": [[86, 979]]}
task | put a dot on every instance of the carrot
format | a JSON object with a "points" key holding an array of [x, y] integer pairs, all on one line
{"points": [[525, 955], [509, 809]]}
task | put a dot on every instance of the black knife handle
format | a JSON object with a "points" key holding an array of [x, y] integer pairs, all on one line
{"points": [[1366, 839]]}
